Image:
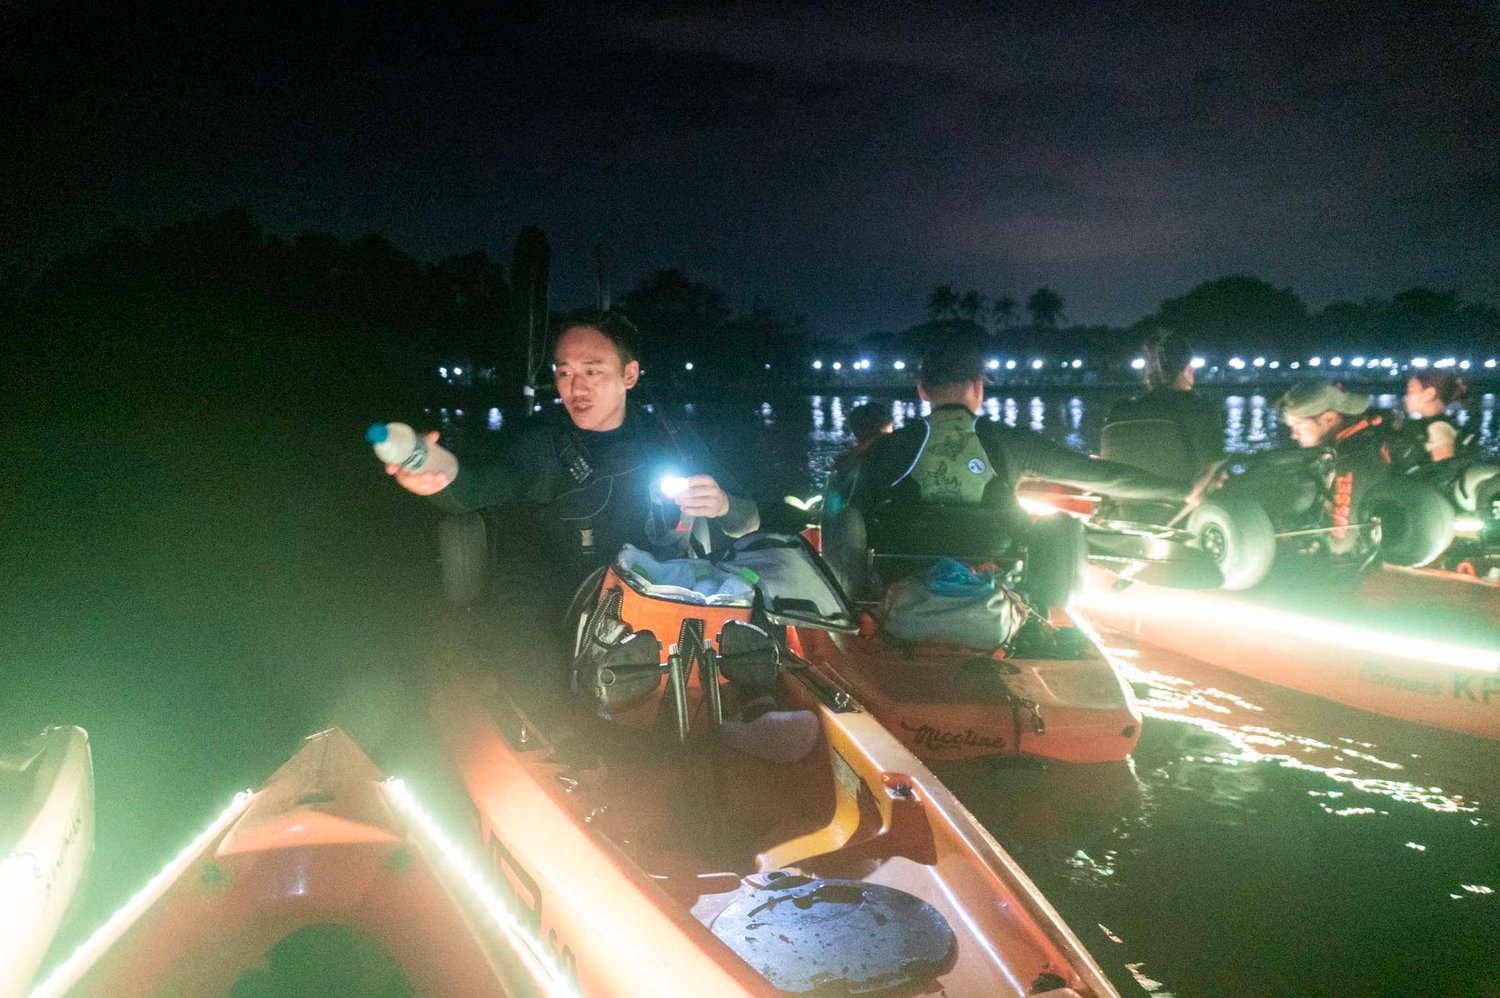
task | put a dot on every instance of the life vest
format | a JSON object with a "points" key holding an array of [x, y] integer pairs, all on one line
{"points": [[1367, 453], [1463, 439], [953, 465], [930, 463], [592, 504]]}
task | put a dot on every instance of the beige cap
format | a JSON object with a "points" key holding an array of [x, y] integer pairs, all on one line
{"points": [[1311, 398]]}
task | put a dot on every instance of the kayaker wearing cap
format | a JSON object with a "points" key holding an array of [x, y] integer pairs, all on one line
{"points": [[1319, 413], [593, 478], [953, 457], [1366, 445], [1323, 414]]}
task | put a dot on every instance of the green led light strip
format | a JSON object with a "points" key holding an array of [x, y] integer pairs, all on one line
{"points": [[544, 970], [66, 975]]}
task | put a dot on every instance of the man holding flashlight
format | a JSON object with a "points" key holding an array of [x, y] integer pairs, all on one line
{"points": [[608, 474]]}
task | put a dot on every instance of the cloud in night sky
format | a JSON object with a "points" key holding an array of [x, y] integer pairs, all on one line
{"points": [[830, 158]]}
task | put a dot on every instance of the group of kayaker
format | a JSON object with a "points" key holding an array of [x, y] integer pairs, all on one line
{"points": [[593, 476]]}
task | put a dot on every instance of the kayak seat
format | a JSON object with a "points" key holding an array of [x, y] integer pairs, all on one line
{"points": [[968, 532], [1045, 560], [1160, 446]]}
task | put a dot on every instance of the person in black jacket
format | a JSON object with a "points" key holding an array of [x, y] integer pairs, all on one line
{"points": [[1198, 440], [592, 479]]}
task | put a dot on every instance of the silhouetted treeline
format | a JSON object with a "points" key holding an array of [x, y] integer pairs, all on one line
{"points": [[218, 315], [1233, 314], [216, 305], [686, 323]]}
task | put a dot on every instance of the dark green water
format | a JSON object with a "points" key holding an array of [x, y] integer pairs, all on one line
{"points": [[199, 602]]}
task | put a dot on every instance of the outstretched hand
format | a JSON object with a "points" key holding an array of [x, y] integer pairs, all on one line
{"points": [[703, 497], [422, 483]]}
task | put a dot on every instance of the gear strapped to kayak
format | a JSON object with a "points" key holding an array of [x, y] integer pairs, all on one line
{"points": [[623, 663]]}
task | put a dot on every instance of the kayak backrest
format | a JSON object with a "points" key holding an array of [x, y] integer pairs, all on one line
{"points": [[1159, 446]]}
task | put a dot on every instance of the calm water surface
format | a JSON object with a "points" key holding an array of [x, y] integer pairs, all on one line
{"points": [[199, 620]]}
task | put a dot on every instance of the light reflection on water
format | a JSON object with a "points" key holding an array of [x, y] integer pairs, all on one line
{"points": [[1250, 422], [1344, 761], [1257, 820]]}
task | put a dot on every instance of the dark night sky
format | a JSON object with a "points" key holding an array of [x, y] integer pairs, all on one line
{"points": [[838, 161]]}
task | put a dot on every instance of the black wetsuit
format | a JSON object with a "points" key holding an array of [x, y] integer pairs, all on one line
{"points": [[589, 493], [1426, 431]]}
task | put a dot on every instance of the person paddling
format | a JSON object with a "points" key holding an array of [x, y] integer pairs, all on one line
{"points": [[951, 456]]}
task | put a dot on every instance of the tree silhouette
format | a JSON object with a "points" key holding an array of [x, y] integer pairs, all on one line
{"points": [[1045, 306], [942, 303], [970, 306], [1425, 308], [1234, 299], [677, 317], [1003, 310], [1235, 311]]}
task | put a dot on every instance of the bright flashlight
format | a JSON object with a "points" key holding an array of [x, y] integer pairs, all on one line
{"points": [[672, 486]]}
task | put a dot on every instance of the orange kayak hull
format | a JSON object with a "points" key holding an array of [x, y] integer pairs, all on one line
{"points": [[623, 848], [1432, 680], [946, 704], [322, 844]]}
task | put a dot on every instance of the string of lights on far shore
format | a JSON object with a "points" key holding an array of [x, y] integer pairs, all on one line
{"points": [[1235, 363], [1234, 367]]}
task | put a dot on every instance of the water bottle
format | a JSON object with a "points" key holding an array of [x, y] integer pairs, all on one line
{"points": [[397, 443]]}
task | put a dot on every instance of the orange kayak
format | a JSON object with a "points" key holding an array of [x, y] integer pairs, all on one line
{"points": [[1444, 675], [1452, 599], [653, 861], [947, 703], [327, 859]]}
